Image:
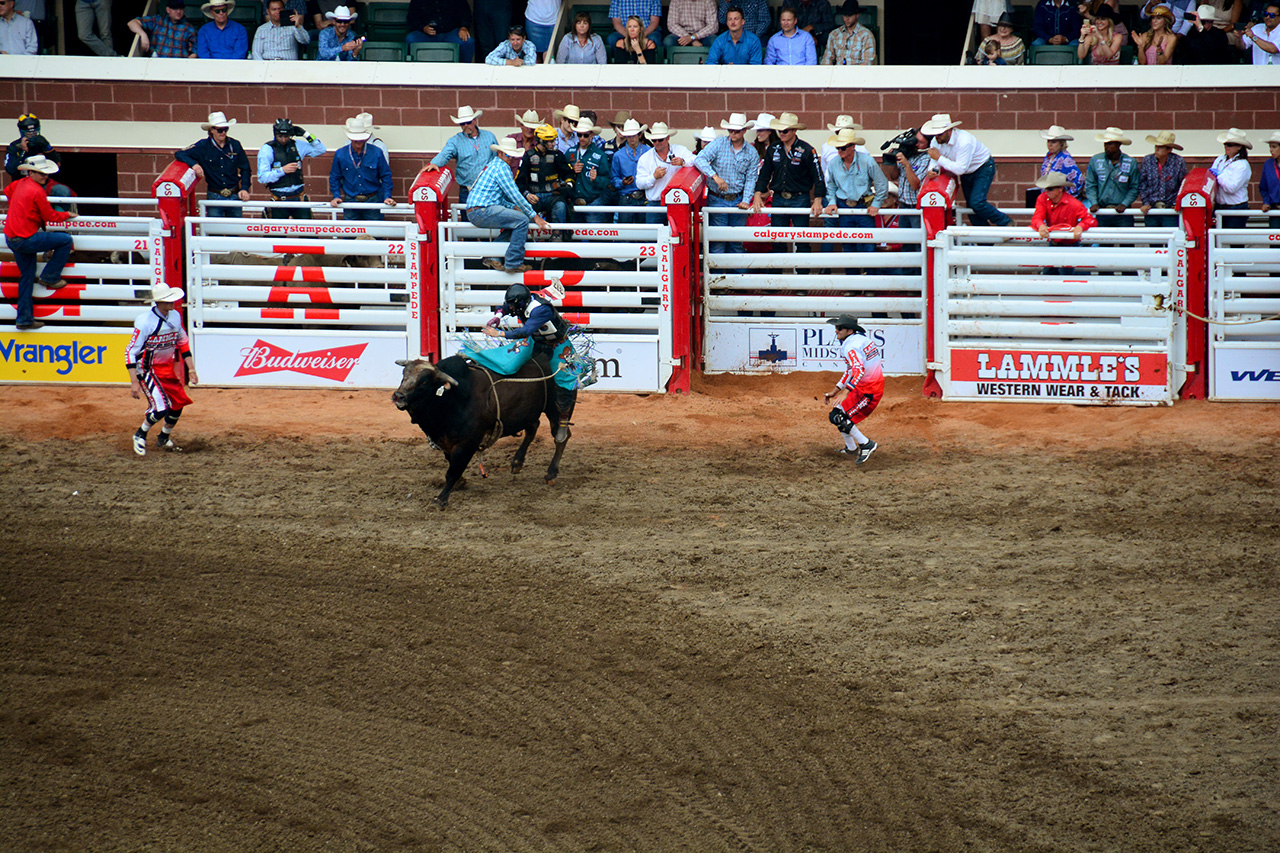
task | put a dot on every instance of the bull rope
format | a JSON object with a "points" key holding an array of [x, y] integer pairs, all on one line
{"points": [[497, 402]]}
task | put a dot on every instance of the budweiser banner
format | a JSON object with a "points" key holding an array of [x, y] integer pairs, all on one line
{"points": [[1060, 376], [339, 359]]}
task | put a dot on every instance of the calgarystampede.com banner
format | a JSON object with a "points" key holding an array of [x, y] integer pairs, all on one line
{"points": [[265, 228], [783, 234]]}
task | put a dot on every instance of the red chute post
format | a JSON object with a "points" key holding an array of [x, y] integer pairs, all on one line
{"points": [[175, 194], [937, 203], [1195, 204], [430, 197], [683, 197]]}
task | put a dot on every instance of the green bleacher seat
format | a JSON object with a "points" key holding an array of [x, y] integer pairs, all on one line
{"points": [[1053, 54], [382, 51], [1128, 55], [248, 12], [869, 17], [691, 55], [433, 52], [385, 21]]}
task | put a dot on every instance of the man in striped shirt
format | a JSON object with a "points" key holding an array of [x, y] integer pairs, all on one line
{"points": [[490, 205], [278, 39]]}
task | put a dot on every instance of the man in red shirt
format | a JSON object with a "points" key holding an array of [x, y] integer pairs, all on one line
{"points": [[1058, 210], [29, 212]]}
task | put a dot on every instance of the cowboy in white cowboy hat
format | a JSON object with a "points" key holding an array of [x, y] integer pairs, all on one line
{"points": [[495, 202], [855, 179], [1058, 160], [1231, 172], [336, 42], [1112, 179], [224, 38], [1161, 174], [659, 164], [731, 165], [703, 138], [568, 117], [223, 164], [470, 149], [359, 174], [827, 154], [1058, 210], [367, 120], [158, 342], [593, 181], [28, 213], [792, 172], [625, 161], [960, 153]]}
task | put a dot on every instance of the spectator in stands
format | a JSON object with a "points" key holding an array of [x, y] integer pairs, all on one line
{"points": [[1099, 41], [1206, 43], [279, 37], [540, 18], [224, 38], [529, 122], [657, 166], [493, 20], [1056, 22], [1231, 171], [635, 48], [790, 45], [792, 172], [623, 170], [1269, 184], [758, 19], [338, 43], [1160, 178], [731, 166], [545, 176], [1264, 38], [582, 46], [1056, 159], [1003, 48], [168, 35], [568, 119], [280, 167], [960, 153], [1222, 17], [592, 178], [93, 26], [854, 178], [221, 162], [37, 13], [735, 46], [359, 174], [1156, 46], [446, 21], [1112, 179], [765, 134], [692, 23], [852, 44], [491, 204], [648, 11], [1181, 10], [24, 222], [1059, 210], [987, 14], [17, 33], [471, 148], [816, 18], [515, 51]]}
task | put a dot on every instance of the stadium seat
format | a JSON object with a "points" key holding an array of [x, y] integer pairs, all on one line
{"points": [[382, 51], [691, 55], [385, 21], [433, 52], [1128, 55], [249, 13], [1053, 54], [868, 17]]}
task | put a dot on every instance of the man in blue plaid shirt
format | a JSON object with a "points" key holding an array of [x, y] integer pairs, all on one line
{"points": [[648, 11], [169, 35], [731, 166], [490, 203]]}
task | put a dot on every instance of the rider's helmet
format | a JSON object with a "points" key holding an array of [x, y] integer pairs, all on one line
{"points": [[517, 299], [546, 133], [283, 126]]}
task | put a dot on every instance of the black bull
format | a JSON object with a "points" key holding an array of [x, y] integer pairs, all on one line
{"points": [[463, 409]]}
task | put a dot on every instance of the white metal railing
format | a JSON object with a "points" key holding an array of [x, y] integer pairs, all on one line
{"points": [[1244, 307]]}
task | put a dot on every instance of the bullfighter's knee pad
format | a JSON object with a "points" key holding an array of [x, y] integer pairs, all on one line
{"points": [[840, 420]]}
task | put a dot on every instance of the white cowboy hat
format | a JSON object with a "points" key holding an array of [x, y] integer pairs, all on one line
{"points": [[708, 134], [845, 136], [1206, 13], [1051, 179], [342, 13], [1113, 134], [1274, 138], [530, 119], [660, 131], [1056, 133], [737, 121], [356, 131], [507, 146], [217, 120], [1235, 135], [367, 120], [763, 121], [165, 293], [586, 125], [466, 114], [842, 122], [570, 111], [38, 163], [208, 8], [632, 128], [940, 123], [1164, 137], [893, 188], [787, 121]]}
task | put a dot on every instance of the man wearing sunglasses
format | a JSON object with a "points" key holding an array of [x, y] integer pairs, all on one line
{"points": [[593, 173], [224, 38], [469, 149], [221, 161], [1265, 37]]}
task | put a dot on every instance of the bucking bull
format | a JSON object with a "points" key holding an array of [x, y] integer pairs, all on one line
{"points": [[463, 408]]}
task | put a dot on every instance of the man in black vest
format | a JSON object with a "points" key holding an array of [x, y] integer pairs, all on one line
{"points": [[280, 167]]}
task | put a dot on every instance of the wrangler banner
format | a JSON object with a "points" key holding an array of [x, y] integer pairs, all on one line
{"points": [[69, 357]]}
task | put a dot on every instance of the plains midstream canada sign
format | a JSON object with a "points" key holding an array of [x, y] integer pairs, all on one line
{"points": [[765, 346]]}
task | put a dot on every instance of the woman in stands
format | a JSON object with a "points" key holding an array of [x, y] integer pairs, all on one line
{"points": [[1086, 8], [1156, 46], [986, 13], [1099, 40], [1004, 44], [634, 48], [581, 47]]}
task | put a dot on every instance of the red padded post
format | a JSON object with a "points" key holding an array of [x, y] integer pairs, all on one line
{"points": [[937, 203], [1195, 204], [683, 197], [175, 194], [430, 197]]}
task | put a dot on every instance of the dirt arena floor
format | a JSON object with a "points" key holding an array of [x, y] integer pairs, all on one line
{"points": [[1017, 628]]}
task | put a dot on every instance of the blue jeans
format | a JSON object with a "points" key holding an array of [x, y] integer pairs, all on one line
{"points": [[582, 211], [726, 220], [59, 191], [224, 212], [623, 201], [792, 220], [512, 223], [25, 251], [539, 35], [361, 214], [466, 49], [1113, 219], [552, 206], [976, 185]]}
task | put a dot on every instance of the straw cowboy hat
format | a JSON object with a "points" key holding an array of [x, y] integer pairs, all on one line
{"points": [[342, 13], [1056, 133], [787, 121], [38, 163], [842, 122], [621, 118], [660, 131], [530, 119], [845, 136], [165, 293], [1051, 179], [1206, 13], [466, 114], [507, 146], [763, 121], [632, 128], [1235, 135], [940, 123], [1163, 11], [1113, 134], [356, 130], [208, 8], [570, 111], [586, 125], [708, 133], [1164, 137], [737, 121], [217, 120]]}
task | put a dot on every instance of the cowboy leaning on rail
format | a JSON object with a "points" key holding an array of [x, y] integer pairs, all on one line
{"points": [[221, 161]]}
